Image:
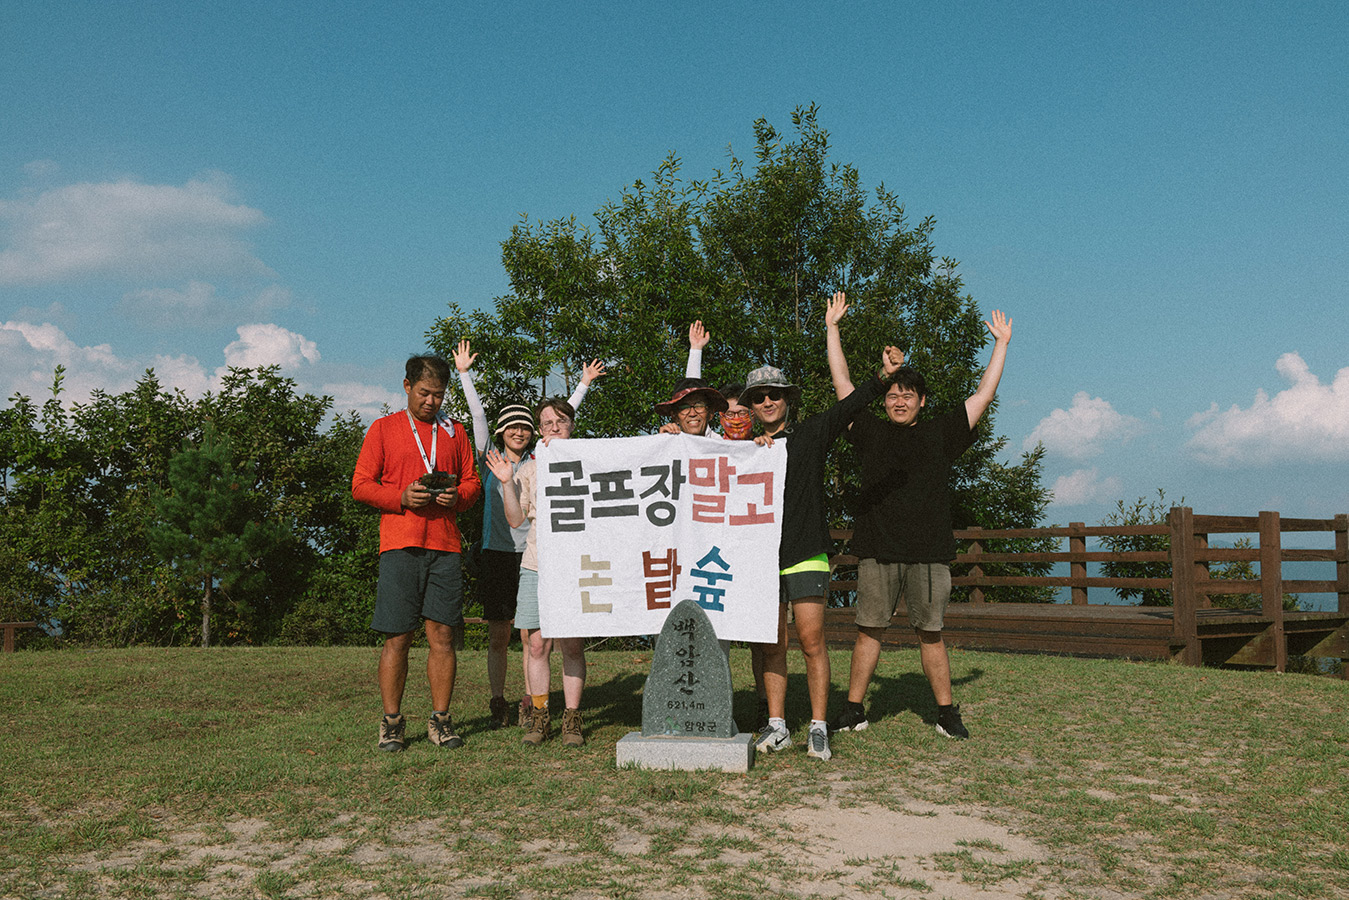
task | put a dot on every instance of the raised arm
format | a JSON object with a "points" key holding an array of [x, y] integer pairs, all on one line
{"points": [[698, 338], [463, 361], [589, 372], [1001, 329], [838, 363]]}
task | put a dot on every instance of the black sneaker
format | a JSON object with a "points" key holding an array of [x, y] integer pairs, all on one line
{"points": [[949, 724], [391, 733], [853, 718]]}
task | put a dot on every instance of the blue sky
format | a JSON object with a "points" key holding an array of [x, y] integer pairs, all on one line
{"points": [[1156, 192]]}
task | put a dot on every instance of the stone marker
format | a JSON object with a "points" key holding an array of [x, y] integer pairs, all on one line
{"points": [[686, 706]]}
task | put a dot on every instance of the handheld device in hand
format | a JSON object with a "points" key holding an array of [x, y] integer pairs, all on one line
{"points": [[439, 482]]}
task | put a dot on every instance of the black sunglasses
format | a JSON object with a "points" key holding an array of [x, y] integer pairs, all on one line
{"points": [[774, 394]]}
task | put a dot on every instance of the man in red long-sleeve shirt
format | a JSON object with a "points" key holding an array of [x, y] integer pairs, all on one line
{"points": [[419, 547]]}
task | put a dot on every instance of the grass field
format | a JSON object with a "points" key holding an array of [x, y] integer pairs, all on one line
{"points": [[253, 773]]}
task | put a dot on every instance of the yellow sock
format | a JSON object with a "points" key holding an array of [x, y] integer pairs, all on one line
{"points": [[540, 701]]}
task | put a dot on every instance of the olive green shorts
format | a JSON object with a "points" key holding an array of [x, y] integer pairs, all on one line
{"points": [[924, 587]]}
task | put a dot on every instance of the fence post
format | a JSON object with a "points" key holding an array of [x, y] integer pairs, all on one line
{"points": [[1077, 568], [1185, 624], [1342, 574], [976, 570], [1271, 585]]}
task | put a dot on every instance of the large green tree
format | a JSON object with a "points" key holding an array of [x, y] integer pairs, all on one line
{"points": [[752, 251], [211, 523], [77, 483]]}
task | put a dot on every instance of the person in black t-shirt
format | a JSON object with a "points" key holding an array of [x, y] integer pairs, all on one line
{"points": [[802, 550], [902, 525]]}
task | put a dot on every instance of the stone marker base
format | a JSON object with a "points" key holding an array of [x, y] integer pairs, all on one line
{"points": [[735, 754]]}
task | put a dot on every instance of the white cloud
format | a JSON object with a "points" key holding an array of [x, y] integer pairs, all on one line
{"points": [[1085, 486], [29, 354], [367, 400], [1306, 422], [269, 345], [126, 229], [1081, 431]]}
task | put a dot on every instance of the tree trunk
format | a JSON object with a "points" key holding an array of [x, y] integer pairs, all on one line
{"points": [[206, 614]]}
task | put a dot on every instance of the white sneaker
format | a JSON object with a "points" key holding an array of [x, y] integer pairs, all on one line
{"points": [[772, 739], [818, 744]]}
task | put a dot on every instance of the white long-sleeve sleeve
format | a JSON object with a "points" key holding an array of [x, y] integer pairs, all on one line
{"points": [[694, 368], [482, 435], [578, 395]]}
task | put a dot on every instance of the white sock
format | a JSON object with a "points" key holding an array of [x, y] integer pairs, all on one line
{"points": [[777, 723], [817, 725]]}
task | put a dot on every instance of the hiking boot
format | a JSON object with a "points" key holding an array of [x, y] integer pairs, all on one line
{"points": [[526, 713], [772, 739], [571, 728], [391, 733], [540, 727], [817, 744], [441, 732], [499, 714], [853, 718], [949, 724], [761, 717]]}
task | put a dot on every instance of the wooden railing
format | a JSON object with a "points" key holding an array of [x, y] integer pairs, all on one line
{"points": [[1187, 557]]}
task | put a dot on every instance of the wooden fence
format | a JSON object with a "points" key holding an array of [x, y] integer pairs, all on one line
{"points": [[1190, 631]]}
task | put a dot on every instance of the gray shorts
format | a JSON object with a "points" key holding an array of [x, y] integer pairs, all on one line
{"points": [[924, 587], [527, 600], [415, 584]]}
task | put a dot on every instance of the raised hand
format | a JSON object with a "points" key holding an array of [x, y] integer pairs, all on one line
{"points": [[592, 370], [837, 309], [499, 465], [1000, 327], [698, 335], [891, 359], [463, 359]]}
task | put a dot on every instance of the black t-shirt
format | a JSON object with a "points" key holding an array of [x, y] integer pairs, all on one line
{"points": [[805, 529], [903, 513]]}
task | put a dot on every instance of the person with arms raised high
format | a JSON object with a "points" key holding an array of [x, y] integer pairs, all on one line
{"points": [[902, 527]]}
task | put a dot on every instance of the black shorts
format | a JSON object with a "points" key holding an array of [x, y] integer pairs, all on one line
{"points": [[415, 584], [498, 582]]}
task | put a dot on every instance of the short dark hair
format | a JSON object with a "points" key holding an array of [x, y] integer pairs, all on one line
{"points": [[427, 365], [910, 378], [557, 405], [732, 391]]}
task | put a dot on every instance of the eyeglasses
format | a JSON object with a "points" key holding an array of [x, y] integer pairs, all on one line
{"points": [[554, 424], [774, 394], [732, 416], [698, 406]]}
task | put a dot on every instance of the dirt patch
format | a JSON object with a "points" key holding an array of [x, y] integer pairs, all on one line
{"points": [[842, 846]]}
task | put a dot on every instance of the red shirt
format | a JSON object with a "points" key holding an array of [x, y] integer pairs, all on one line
{"points": [[390, 461]]}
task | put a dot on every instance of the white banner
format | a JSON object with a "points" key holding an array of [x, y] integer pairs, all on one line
{"points": [[628, 527]]}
